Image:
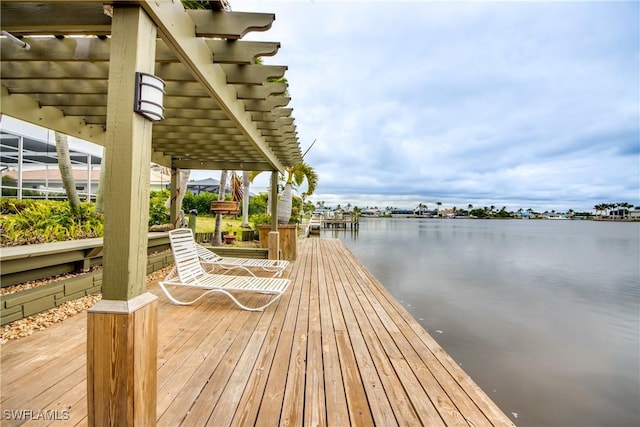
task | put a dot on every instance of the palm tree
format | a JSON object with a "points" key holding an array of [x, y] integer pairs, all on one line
{"points": [[246, 181], [217, 232], [195, 4], [296, 174], [183, 182], [438, 208], [625, 208]]}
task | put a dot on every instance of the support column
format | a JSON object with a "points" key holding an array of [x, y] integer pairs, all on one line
{"points": [[274, 236], [122, 327], [122, 345]]}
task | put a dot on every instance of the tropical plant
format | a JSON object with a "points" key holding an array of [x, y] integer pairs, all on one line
{"points": [[158, 213], [10, 206], [196, 4], [260, 219], [421, 208], [48, 221], [237, 192], [296, 175]]}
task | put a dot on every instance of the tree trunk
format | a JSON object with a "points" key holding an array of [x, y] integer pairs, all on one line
{"points": [[284, 205], [185, 174], [66, 171], [101, 183], [217, 234], [245, 199]]}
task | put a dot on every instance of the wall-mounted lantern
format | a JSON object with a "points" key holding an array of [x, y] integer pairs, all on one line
{"points": [[148, 96]]}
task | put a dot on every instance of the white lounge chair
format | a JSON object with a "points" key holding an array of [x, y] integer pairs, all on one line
{"points": [[188, 272], [274, 266]]}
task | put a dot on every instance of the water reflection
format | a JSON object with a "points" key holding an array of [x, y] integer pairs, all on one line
{"points": [[544, 315]]}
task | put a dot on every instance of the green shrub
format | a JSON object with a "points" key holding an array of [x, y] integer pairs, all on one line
{"points": [[260, 219], [201, 202], [48, 221], [39, 221], [158, 213], [258, 204]]}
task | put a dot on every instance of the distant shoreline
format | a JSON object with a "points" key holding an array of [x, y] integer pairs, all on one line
{"points": [[503, 218]]}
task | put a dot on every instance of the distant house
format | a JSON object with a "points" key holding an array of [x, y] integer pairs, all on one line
{"points": [[33, 162], [401, 212], [47, 180], [370, 212], [421, 212], [620, 213], [447, 213], [207, 185]]}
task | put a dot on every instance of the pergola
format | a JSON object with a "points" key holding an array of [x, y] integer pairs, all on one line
{"points": [[70, 67]]}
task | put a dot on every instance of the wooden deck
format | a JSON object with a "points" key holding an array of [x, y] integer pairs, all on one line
{"points": [[336, 350]]}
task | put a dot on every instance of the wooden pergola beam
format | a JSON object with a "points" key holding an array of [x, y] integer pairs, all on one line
{"points": [[241, 52], [26, 108], [229, 25], [230, 165], [99, 49], [56, 17], [178, 31]]}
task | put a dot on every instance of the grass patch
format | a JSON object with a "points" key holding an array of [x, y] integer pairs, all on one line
{"points": [[207, 224]]}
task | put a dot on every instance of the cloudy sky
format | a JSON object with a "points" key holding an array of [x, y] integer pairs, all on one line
{"points": [[522, 104], [516, 104]]}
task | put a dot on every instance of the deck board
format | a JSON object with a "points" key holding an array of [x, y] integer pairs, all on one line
{"points": [[337, 349]]}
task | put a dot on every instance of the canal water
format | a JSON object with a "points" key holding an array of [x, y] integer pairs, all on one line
{"points": [[543, 314]]}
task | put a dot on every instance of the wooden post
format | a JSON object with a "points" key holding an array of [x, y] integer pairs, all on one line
{"points": [[122, 327], [122, 342], [274, 236]]}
